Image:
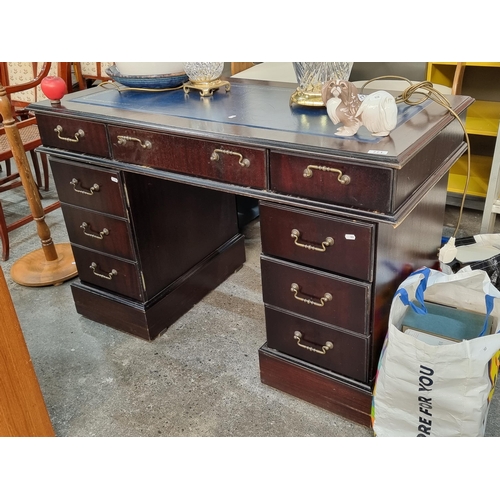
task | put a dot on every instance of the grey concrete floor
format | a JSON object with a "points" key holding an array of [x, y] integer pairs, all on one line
{"points": [[200, 378]]}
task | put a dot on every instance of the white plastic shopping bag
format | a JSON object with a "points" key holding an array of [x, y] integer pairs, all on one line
{"points": [[437, 390]]}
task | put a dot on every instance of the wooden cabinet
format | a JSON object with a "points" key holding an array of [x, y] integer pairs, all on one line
{"points": [[75, 135], [327, 284], [212, 160], [335, 244], [308, 307], [137, 239], [148, 195], [479, 80]]}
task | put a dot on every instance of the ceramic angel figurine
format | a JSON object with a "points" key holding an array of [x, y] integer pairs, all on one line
{"points": [[378, 112]]}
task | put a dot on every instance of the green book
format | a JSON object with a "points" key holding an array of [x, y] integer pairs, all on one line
{"points": [[447, 322]]}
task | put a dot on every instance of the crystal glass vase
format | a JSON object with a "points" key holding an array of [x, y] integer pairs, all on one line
{"points": [[203, 72], [312, 75], [205, 77]]}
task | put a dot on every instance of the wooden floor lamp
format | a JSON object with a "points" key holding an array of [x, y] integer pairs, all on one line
{"points": [[52, 264]]}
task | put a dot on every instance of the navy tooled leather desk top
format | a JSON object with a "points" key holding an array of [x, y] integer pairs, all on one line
{"points": [[258, 106]]}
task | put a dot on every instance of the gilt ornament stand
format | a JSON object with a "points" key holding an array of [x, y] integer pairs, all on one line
{"points": [[52, 264], [206, 88]]}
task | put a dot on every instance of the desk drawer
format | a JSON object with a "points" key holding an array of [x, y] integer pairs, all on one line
{"points": [[73, 135], [90, 187], [108, 272], [229, 163], [363, 187], [321, 296], [331, 243], [316, 343], [99, 232]]}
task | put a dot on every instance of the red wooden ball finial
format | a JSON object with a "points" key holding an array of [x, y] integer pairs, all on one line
{"points": [[54, 87]]}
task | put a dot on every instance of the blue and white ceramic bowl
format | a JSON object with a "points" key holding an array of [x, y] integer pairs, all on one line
{"points": [[148, 81]]}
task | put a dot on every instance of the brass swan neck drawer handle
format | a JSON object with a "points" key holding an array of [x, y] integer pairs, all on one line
{"points": [[327, 243], [342, 178], [76, 138], [244, 162], [298, 337], [123, 139], [90, 191], [326, 297], [99, 236], [108, 276]]}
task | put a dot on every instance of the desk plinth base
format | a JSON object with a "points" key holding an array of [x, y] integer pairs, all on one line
{"points": [[316, 386], [150, 319]]}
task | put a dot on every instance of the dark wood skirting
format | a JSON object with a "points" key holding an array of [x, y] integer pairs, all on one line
{"points": [[316, 386], [152, 318]]}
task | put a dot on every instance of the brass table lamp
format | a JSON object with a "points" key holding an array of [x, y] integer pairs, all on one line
{"points": [[312, 76]]}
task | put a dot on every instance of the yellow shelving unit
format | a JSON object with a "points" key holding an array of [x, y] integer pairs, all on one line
{"points": [[479, 80], [480, 174], [482, 118]]}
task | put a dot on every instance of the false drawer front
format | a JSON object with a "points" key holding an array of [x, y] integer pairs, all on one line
{"points": [[108, 272], [317, 343], [331, 243], [221, 162], [363, 187], [73, 135], [98, 231], [87, 186], [321, 296]]}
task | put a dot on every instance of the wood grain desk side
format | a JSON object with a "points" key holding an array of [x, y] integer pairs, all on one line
{"points": [[22, 409]]}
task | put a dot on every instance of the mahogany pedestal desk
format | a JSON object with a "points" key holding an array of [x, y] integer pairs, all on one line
{"points": [[148, 182]]}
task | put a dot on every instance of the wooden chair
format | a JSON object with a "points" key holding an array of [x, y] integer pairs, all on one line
{"points": [[31, 140], [88, 72], [21, 75], [30, 137]]}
